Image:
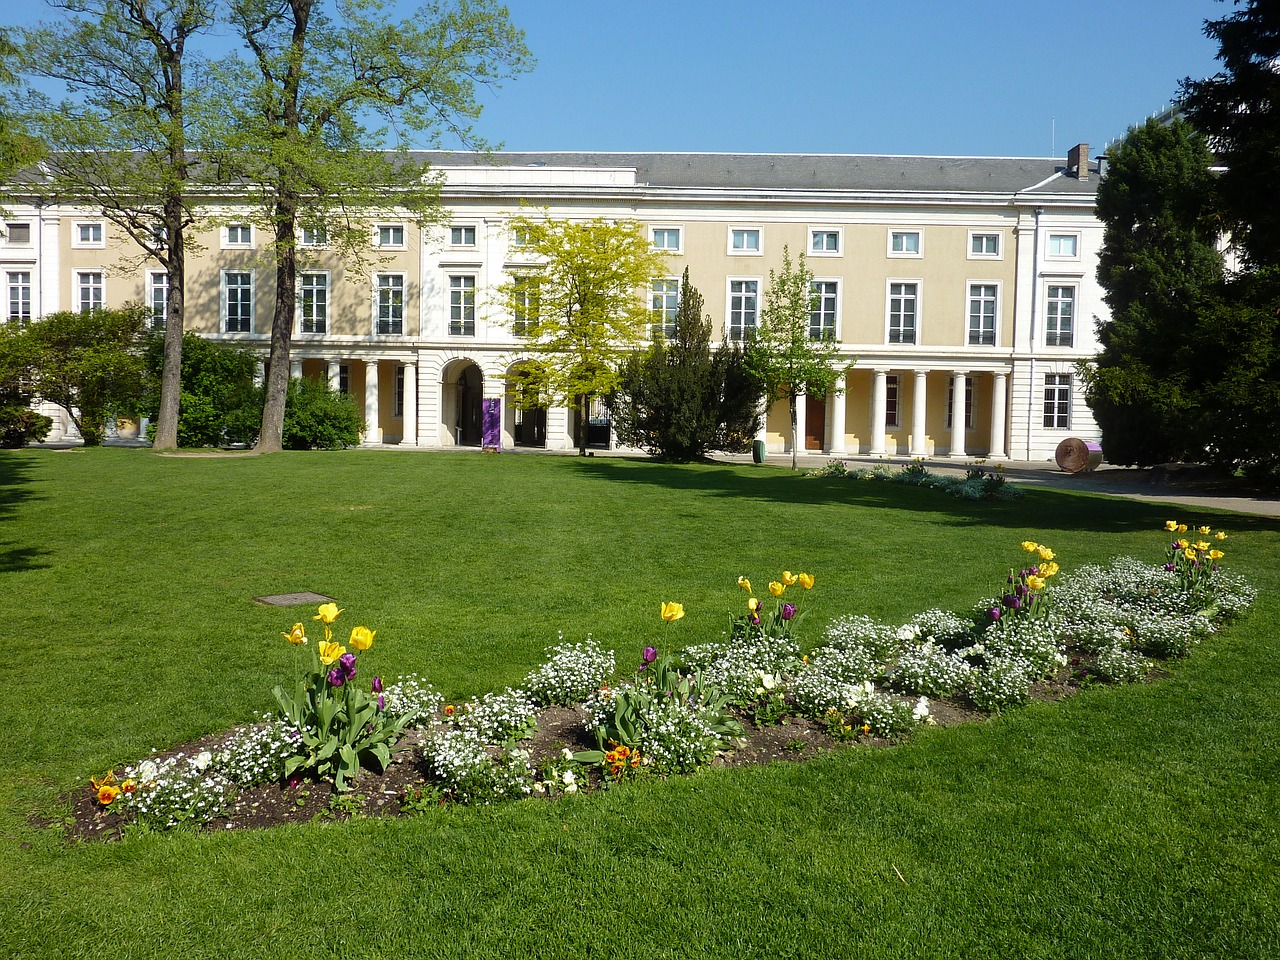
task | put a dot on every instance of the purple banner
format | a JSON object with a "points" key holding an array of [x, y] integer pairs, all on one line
{"points": [[492, 416]]}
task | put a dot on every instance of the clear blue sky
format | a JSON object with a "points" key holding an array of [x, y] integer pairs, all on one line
{"points": [[958, 78]]}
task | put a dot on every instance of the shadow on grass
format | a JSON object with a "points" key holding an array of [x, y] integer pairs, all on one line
{"points": [[15, 489], [1060, 509]]}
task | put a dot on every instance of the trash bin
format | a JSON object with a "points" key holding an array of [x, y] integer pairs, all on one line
{"points": [[757, 452], [1078, 456]]}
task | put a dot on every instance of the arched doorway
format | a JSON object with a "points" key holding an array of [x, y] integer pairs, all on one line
{"points": [[462, 389], [527, 423]]}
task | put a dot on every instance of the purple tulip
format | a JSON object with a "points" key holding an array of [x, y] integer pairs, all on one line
{"points": [[347, 663], [649, 655], [1017, 604], [1009, 599], [377, 684], [382, 703], [788, 611], [755, 620], [336, 677], [995, 613], [1170, 567]]}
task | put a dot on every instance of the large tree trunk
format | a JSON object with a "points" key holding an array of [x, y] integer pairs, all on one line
{"points": [[584, 423], [174, 323], [277, 385]]}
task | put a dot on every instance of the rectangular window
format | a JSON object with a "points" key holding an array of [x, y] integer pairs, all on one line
{"points": [[390, 303], [666, 304], [891, 400], [88, 291], [904, 243], [1062, 310], [744, 240], [240, 235], [344, 379], [824, 241], [314, 303], [88, 235], [1057, 401], [390, 235], [18, 287], [742, 308], [666, 238], [1064, 246], [238, 287], [462, 306], [903, 304], [158, 298], [968, 402], [397, 409], [982, 314], [462, 236], [18, 233], [822, 318], [315, 236], [984, 245], [524, 295]]}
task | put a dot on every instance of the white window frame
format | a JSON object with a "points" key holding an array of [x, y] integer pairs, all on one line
{"points": [[524, 301], [463, 242], [226, 299], [397, 402], [462, 312], [1055, 339], [728, 308], [392, 243], [78, 230], [995, 315], [318, 239], [158, 306], [904, 254], [892, 401], [918, 297], [1058, 236], [239, 243], [835, 306], [667, 229], [1058, 389], [85, 285], [951, 403], [665, 304], [837, 232], [744, 251], [377, 302], [303, 320], [17, 292], [981, 254], [8, 233]]}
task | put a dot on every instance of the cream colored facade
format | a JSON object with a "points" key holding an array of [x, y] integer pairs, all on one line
{"points": [[940, 278]]}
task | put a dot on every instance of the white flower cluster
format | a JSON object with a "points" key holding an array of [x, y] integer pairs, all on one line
{"points": [[677, 737], [177, 789], [890, 717], [599, 705], [471, 772], [815, 692], [1121, 665], [931, 670], [495, 717], [736, 668], [853, 665], [1004, 682], [879, 640], [256, 754], [941, 626], [572, 673], [1035, 642], [412, 696]]}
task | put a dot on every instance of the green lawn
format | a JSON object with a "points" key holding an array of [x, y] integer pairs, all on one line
{"points": [[1129, 822]]}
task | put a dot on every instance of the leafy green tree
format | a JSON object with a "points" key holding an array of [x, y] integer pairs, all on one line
{"points": [[18, 150], [583, 311], [1163, 275], [680, 399], [119, 141], [298, 134], [19, 424], [783, 353], [88, 363], [217, 390], [1238, 110]]}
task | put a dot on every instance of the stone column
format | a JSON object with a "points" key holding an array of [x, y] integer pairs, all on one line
{"points": [[999, 399], [372, 429], [801, 415], [919, 410], [836, 405], [957, 415], [295, 369], [409, 415], [335, 375], [879, 400]]}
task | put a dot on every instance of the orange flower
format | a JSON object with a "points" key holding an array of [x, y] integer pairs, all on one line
{"points": [[107, 794], [449, 709], [129, 786]]}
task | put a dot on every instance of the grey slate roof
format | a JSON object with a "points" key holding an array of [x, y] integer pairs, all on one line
{"points": [[752, 171]]}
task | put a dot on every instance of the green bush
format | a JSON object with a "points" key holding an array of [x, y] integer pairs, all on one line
{"points": [[317, 417], [218, 400], [19, 425]]}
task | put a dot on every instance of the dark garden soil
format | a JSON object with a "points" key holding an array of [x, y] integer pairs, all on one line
{"points": [[403, 787]]}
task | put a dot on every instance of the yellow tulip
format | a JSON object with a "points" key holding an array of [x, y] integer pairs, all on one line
{"points": [[1182, 528], [1220, 535], [1204, 531], [1034, 582], [1216, 554], [753, 604], [745, 584], [1171, 525], [1030, 546], [1202, 545], [330, 652], [296, 636], [806, 580], [672, 612], [1048, 569], [776, 588], [1189, 553], [789, 578], [328, 613], [1044, 552], [362, 638], [1183, 544]]}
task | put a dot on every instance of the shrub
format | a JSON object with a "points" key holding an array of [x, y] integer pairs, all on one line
{"points": [[319, 418], [19, 425]]}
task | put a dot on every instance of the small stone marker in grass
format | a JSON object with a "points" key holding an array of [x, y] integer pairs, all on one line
{"points": [[293, 599]]}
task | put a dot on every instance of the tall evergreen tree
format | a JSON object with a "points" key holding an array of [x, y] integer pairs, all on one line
{"points": [[680, 399]]}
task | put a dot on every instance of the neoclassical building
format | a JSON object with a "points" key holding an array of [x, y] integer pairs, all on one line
{"points": [[963, 287]]}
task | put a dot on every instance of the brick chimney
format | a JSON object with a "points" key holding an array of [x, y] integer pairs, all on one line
{"points": [[1078, 161]]}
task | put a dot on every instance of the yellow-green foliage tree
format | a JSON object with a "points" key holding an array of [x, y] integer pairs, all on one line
{"points": [[582, 308]]}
